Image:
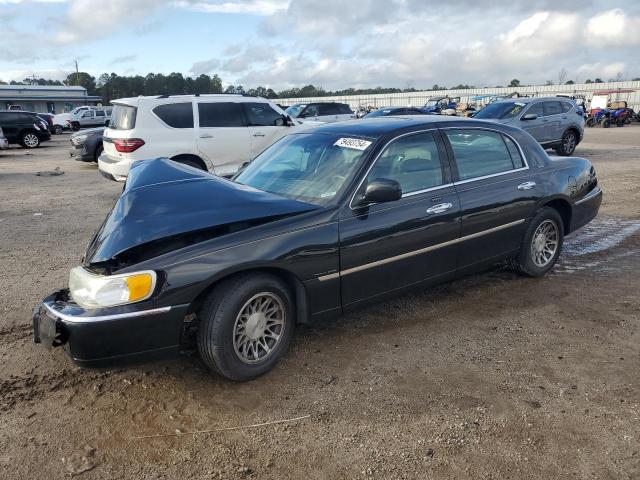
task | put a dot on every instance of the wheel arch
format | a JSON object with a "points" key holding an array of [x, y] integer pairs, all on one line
{"points": [[563, 207], [295, 285], [192, 157]]}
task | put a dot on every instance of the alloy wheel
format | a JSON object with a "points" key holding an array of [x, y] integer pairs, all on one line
{"points": [[569, 142], [544, 243], [31, 140], [259, 327]]}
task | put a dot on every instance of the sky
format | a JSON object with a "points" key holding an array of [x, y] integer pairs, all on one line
{"points": [[334, 44]]}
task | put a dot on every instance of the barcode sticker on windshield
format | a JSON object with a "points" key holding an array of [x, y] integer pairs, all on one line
{"points": [[355, 143]]}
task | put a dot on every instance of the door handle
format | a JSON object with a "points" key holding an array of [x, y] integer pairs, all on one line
{"points": [[526, 186], [206, 135], [440, 208], [258, 134]]}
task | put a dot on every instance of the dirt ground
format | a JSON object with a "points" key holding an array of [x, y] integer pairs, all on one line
{"points": [[492, 377]]}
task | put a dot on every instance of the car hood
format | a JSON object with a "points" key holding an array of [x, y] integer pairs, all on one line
{"points": [[497, 120], [166, 205]]}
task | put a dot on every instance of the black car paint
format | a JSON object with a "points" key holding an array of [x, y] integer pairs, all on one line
{"points": [[16, 123], [317, 251], [87, 151]]}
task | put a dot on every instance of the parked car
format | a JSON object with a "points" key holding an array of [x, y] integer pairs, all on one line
{"points": [[321, 222], [24, 128], [554, 122], [62, 121], [86, 145], [387, 111], [15, 108], [98, 117], [48, 119], [4, 143], [219, 133], [442, 105], [326, 112]]}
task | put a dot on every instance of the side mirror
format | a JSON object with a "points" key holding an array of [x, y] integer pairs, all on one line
{"points": [[381, 190], [280, 122], [529, 116]]}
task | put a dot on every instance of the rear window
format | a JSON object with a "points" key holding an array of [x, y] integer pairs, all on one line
{"points": [[176, 115], [220, 114], [123, 117]]}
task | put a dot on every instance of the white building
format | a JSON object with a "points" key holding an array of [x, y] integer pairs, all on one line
{"points": [[44, 99]]}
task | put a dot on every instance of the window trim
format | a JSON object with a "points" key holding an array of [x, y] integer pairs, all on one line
{"points": [[404, 195], [153, 112], [497, 174]]}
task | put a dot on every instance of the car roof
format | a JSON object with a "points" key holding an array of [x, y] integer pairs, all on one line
{"points": [[382, 126], [135, 101], [529, 99]]}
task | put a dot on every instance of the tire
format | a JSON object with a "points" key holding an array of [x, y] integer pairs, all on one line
{"points": [[98, 152], [29, 140], [620, 123], [606, 123], [57, 129], [568, 144], [75, 126], [222, 345], [532, 260], [591, 122]]}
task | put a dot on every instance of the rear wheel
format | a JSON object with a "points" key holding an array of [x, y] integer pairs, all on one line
{"points": [[568, 145], [541, 244], [620, 123], [29, 140], [57, 129], [246, 325], [606, 123], [591, 122], [98, 152]]}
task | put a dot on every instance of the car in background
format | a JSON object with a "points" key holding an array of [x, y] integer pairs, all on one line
{"points": [[62, 121], [48, 118], [321, 223], [442, 105], [98, 117], [24, 128], [4, 143], [326, 112], [86, 145], [218, 132], [387, 111], [554, 122]]}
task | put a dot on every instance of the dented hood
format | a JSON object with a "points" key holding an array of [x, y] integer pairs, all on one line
{"points": [[165, 200]]}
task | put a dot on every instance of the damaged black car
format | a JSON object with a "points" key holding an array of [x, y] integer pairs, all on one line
{"points": [[322, 222]]}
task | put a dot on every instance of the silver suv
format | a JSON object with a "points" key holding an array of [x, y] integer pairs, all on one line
{"points": [[554, 122]]}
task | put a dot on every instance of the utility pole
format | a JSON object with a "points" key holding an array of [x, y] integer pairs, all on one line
{"points": [[77, 73]]}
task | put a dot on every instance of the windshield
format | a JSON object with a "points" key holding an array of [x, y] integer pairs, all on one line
{"points": [[500, 110], [379, 113], [310, 167], [294, 110], [432, 103], [123, 117]]}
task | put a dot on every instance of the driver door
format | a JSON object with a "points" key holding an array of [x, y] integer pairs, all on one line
{"points": [[265, 125], [388, 246]]}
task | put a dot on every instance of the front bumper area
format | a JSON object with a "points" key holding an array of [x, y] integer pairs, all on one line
{"points": [[101, 337], [114, 168]]}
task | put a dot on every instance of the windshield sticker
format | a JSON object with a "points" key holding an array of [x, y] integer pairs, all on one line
{"points": [[355, 143]]}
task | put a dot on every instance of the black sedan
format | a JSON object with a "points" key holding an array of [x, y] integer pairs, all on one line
{"points": [[86, 145], [320, 223]]}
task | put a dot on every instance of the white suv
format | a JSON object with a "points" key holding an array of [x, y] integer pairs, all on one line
{"points": [[219, 133]]}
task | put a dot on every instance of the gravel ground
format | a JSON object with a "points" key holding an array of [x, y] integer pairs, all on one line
{"points": [[494, 376]]}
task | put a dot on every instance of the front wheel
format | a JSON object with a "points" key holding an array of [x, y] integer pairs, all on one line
{"points": [[606, 123], [541, 244], [246, 325], [29, 140]]}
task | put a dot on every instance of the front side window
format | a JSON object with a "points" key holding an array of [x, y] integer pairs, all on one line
{"points": [[413, 161], [87, 114], [479, 153], [295, 110], [220, 114], [552, 108], [311, 111], [262, 115], [566, 107], [536, 109], [309, 167], [176, 115]]}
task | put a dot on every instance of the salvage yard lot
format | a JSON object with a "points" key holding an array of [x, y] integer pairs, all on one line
{"points": [[494, 376]]}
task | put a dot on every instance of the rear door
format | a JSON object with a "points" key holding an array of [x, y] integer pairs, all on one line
{"points": [[554, 122], [223, 136], [497, 190], [100, 118], [265, 125], [388, 246]]}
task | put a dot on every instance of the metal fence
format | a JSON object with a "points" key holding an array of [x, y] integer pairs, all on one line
{"points": [[418, 99]]}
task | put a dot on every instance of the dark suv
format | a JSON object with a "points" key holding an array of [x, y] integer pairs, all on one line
{"points": [[24, 128]]}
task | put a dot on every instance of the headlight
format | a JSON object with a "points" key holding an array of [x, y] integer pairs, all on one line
{"points": [[78, 139], [90, 290]]}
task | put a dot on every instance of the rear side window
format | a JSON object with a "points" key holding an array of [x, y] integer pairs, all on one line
{"points": [[552, 108], [262, 115], [329, 109], [413, 161], [123, 117], [100, 113], [344, 108], [514, 151], [566, 106], [479, 153], [223, 114], [176, 115]]}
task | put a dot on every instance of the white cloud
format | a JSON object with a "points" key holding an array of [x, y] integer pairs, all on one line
{"points": [[613, 28], [254, 7]]}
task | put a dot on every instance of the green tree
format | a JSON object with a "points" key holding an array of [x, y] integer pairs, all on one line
{"points": [[82, 79], [514, 83]]}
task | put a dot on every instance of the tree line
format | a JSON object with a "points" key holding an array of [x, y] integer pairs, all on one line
{"points": [[112, 86]]}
